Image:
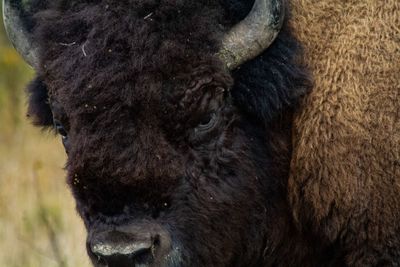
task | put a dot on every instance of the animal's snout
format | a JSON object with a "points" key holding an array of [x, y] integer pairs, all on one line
{"points": [[120, 249], [144, 245]]}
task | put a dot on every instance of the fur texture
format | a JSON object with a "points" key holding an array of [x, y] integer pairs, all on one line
{"points": [[159, 130], [345, 174], [134, 82], [39, 107]]}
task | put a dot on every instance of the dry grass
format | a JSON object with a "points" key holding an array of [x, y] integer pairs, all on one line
{"points": [[38, 223]]}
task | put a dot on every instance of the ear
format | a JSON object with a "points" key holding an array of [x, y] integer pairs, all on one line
{"points": [[39, 110], [274, 81]]}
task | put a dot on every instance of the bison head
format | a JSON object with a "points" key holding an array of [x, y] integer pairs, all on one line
{"points": [[173, 159]]}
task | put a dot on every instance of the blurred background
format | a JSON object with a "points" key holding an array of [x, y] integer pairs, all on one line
{"points": [[38, 222]]}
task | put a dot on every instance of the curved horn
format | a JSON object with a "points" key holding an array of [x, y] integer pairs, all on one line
{"points": [[17, 32], [254, 34]]}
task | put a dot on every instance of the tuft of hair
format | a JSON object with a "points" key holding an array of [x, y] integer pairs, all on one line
{"points": [[39, 110]]}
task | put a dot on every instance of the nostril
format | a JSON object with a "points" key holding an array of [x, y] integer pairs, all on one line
{"points": [[116, 249], [132, 249], [130, 245]]}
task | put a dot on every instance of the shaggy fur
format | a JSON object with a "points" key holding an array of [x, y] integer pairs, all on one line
{"points": [[345, 174], [134, 82], [39, 106]]}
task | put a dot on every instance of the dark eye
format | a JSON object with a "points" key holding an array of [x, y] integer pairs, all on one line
{"points": [[207, 122], [60, 129]]}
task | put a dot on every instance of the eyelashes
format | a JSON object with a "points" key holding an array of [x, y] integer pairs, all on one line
{"points": [[60, 129], [207, 122]]}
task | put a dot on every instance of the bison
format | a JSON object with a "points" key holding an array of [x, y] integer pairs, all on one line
{"points": [[178, 118], [344, 186]]}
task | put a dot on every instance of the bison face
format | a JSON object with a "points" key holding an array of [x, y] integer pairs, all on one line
{"points": [[172, 159], [172, 177]]}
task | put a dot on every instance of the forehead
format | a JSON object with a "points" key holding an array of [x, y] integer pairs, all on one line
{"points": [[138, 52]]}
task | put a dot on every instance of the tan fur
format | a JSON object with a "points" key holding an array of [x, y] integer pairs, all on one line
{"points": [[345, 173]]}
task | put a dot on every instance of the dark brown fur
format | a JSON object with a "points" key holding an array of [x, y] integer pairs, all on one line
{"points": [[132, 80]]}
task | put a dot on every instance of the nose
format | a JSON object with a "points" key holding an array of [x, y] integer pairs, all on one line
{"points": [[143, 245], [122, 249]]}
